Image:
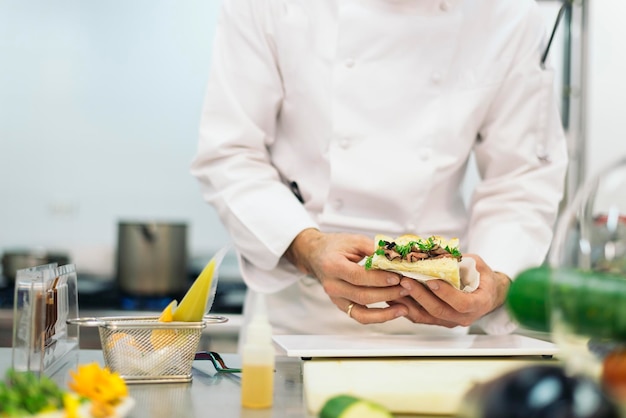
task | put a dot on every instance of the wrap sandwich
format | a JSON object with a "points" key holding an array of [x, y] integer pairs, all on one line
{"points": [[434, 257]]}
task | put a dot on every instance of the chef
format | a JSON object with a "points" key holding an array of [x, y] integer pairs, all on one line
{"points": [[326, 122]]}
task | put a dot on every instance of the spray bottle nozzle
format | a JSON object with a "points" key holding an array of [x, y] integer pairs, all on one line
{"points": [[260, 309]]}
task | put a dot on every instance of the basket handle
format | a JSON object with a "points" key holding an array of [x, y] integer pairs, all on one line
{"points": [[86, 321], [214, 319], [100, 322]]}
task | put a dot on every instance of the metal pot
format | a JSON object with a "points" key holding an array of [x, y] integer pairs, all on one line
{"points": [[152, 258], [15, 260]]}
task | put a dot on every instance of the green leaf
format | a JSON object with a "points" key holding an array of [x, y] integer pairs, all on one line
{"points": [[454, 251], [368, 263]]}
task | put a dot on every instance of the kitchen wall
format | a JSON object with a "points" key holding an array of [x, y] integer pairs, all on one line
{"points": [[99, 110], [606, 85]]}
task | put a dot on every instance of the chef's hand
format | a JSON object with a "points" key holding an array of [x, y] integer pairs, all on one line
{"points": [[437, 302], [333, 259]]}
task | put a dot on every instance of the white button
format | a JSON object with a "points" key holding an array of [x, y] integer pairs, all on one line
{"points": [[542, 153], [344, 143], [350, 63], [337, 204], [436, 77], [444, 6]]}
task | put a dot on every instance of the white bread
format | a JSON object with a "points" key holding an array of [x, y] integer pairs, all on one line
{"points": [[442, 268]]}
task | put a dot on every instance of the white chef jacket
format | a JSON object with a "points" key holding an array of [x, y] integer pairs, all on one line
{"points": [[373, 107]]}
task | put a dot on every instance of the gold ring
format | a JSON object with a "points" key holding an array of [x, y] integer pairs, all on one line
{"points": [[350, 306]]}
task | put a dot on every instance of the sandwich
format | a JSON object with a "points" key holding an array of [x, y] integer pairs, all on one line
{"points": [[413, 256]]}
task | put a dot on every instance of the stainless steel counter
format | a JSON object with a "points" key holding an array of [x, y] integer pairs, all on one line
{"points": [[212, 394], [209, 394]]}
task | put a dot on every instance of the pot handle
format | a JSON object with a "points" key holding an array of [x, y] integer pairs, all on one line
{"points": [[148, 232]]}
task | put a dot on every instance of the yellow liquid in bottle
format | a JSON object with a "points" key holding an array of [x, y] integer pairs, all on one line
{"points": [[257, 386]]}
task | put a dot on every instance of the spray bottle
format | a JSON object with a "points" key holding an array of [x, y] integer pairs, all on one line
{"points": [[258, 360]]}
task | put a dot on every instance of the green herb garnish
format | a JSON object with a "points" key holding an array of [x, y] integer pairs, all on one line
{"points": [[23, 393], [426, 245], [368, 262], [423, 245], [403, 250], [454, 251]]}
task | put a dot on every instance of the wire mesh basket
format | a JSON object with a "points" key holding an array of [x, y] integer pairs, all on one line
{"points": [[145, 350]]}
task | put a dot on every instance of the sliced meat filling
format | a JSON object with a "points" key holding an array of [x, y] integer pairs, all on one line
{"points": [[392, 255], [414, 256]]}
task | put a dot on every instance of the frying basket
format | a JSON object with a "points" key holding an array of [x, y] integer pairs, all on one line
{"points": [[146, 350]]}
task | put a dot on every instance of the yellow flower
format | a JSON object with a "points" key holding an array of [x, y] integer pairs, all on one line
{"points": [[102, 387]]}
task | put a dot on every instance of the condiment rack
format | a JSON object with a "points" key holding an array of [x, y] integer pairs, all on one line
{"points": [[46, 298]]}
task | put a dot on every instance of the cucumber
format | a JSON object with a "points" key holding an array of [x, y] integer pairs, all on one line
{"points": [[348, 406], [527, 300], [590, 303]]}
